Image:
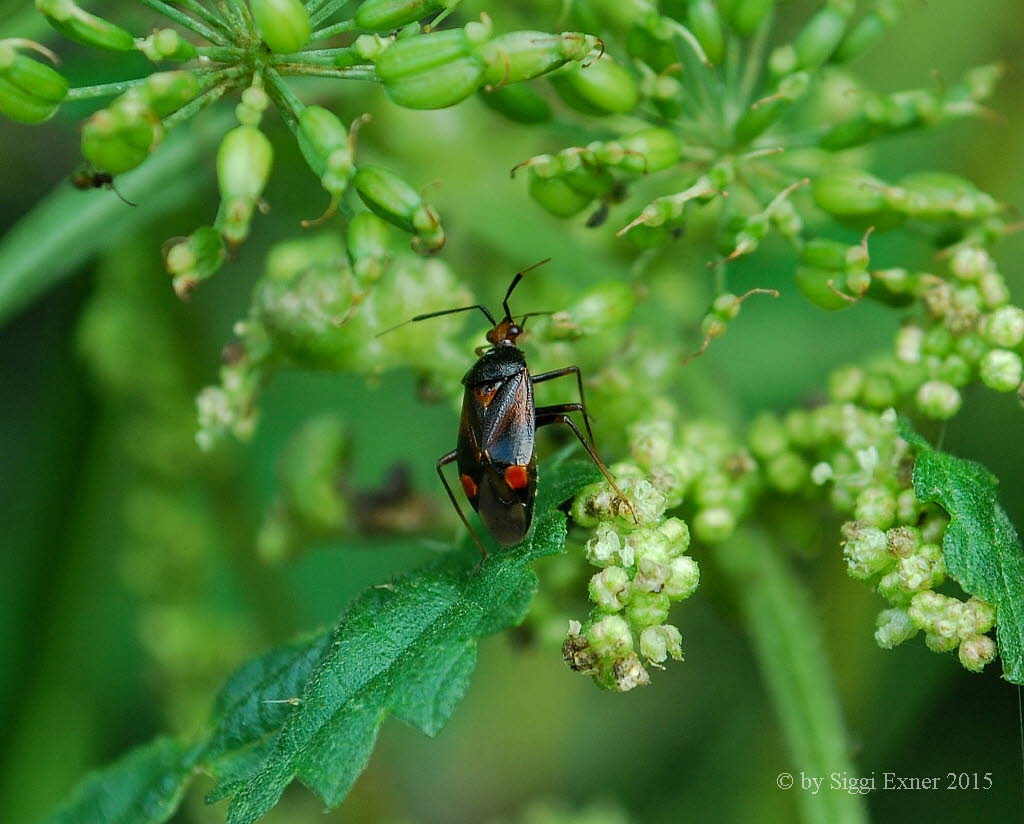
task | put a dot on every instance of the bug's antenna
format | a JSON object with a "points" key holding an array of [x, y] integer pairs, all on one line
{"points": [[515, 283], [522, 322], [482, 308]]}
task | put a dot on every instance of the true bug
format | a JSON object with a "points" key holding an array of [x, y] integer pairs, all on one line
{"points": [[495, 451]]}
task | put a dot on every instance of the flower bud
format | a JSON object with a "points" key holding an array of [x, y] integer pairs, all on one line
{"points": [[431, 71], [194, 259], [603, 87], [1001, 370], [610, 637], [517, 102], [977, 652], [865, 550], [1004, 327], [683, 578], [166, 92], [651, 150], [868, 30], [822, 287], [714, 524], [557, 196], [243, 167], [893, 627], [938, 400], [79, 25], [394, 200], [658, 643], [646, 609], [609, 589], [282, 24], [876, 505]]}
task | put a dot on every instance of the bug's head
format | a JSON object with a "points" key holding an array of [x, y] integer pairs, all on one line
{"points": [[504, 333]]}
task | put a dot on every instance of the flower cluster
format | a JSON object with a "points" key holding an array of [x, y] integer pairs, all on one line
{"points": [[323, 304], [253, 48], [644, 569], [891, 541]]}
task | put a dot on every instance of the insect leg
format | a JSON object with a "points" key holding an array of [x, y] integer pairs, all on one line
{"points": [[443, 461], [556, 414], [559, 373]]}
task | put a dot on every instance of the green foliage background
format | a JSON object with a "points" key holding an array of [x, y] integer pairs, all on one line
{"points": [[76, 689]]}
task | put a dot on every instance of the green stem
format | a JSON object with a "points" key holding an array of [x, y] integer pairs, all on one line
{"points": [[790, 651], [288, 104], [240, 11], [103, 89], [752, 69], [215, 20], [185, 21], [324, 10], [351, 73], [221, 54], [330, 31]]}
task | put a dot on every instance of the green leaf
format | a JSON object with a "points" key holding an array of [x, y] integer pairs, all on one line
{"points": [[406, 648], [310, 709], [982, 550], [144, 787]]}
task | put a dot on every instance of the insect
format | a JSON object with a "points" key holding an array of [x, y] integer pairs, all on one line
{"points": [[86, 178], [495, 453]]}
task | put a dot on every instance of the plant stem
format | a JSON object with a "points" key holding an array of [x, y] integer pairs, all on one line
{"points": [[330, 31], [284, 98], [350, 73], [185, 21], [214, 19], [103, 89], [325, 9], [790, 652]]}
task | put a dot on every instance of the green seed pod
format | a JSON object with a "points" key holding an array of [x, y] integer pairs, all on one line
{"points": [[35, 79], [79, 25], [523, 55], [856, 199], [821, 35], [652, 45], [602, 88], [747, 16], [167, 44], [822, 287], [868, 30], [431, 71], [121, 136], [282, 24], [368, 242], [324, 142], [386, 15], [557, 196], [943, 195], [22, 107], [394, 200], [166, 92], [518, 103], [243, 167], [194, 259], [706, 24], [657, 149]]}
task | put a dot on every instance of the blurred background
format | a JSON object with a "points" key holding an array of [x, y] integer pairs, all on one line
{"points": [[129, 583]]}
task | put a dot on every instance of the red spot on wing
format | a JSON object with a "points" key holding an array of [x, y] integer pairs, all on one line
{"points": [[468, 486], [516, 476]]}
